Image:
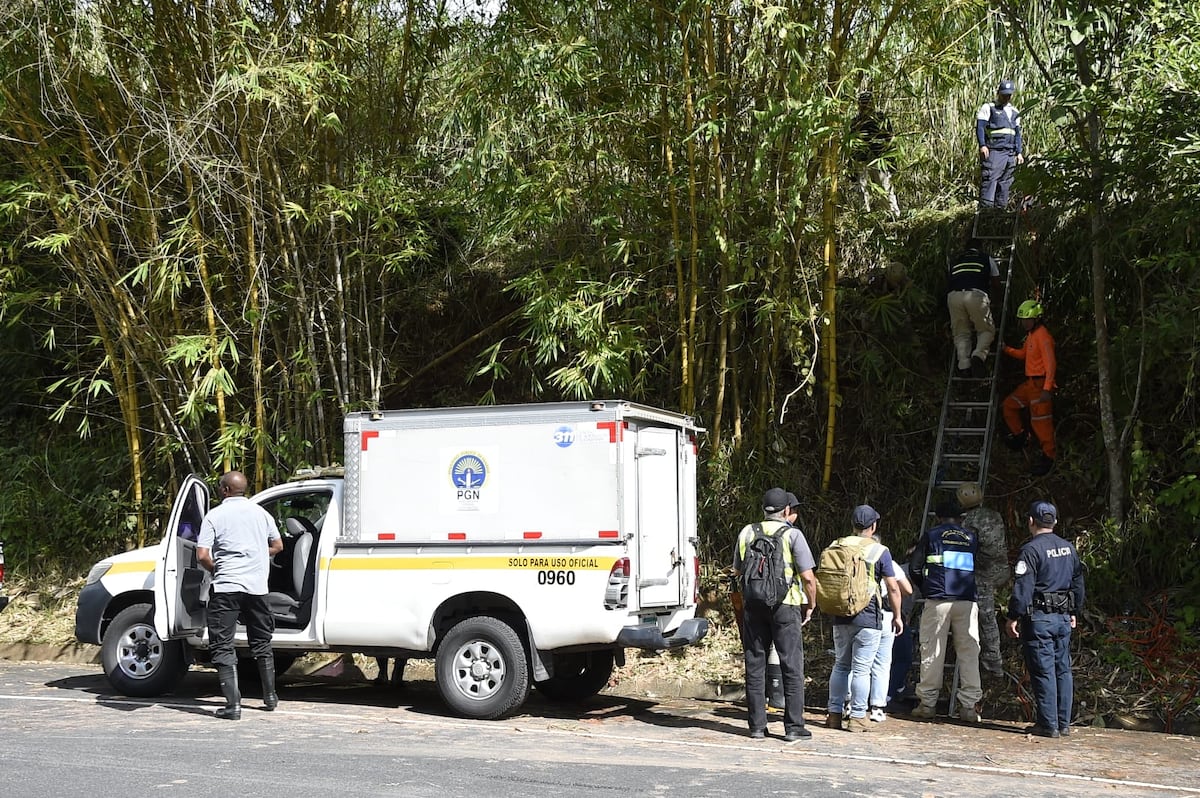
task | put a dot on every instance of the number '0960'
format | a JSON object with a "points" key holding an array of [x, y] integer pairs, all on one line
{"points": [[556, 577]]}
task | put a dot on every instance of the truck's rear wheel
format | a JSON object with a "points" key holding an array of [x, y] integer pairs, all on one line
{"points": [[482, 669], [136, 660], [577, 676]]}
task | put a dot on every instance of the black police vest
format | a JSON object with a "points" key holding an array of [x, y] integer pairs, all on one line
{"points": [[970, 270]]}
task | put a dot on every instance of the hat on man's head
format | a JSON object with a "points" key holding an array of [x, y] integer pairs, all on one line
{"points": [[775, 500], [1006, 87], [793, 501], [1044, 514], [864, 516], [948, 509], [969, 495]]}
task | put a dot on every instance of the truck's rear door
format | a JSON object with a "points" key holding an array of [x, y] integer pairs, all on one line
{"points": [[660, 561]]}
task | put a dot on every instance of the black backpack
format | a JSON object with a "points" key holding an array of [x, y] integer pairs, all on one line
{"points": [[763, 574]]}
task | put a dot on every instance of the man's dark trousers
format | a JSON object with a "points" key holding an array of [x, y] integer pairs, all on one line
{"points": [[997, 174], [782, 625], [1046, 643], [223, 612]]}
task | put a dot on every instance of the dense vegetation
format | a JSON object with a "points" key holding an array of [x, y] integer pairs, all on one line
{"points": [[224, 224]]}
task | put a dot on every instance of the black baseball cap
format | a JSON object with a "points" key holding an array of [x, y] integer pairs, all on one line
{"points": [[775, 500], [1044, 514]]}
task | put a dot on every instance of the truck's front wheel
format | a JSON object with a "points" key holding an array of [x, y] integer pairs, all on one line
{"points": [[136, 660], [482, 669], [577, 676]]}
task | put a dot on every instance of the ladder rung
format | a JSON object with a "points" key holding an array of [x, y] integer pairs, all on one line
{"points": [[952, 483], [979, 405], [961, 458], [966, 430]]}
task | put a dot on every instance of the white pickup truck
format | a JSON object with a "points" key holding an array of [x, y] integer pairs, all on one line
{"points": [[514, 545]]}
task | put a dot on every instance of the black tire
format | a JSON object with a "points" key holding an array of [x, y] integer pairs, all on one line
{"points": [[136, 660], [482, 669], [577, 677]]}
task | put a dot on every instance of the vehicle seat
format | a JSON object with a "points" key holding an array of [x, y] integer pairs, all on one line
{"points": [[288, 607]]}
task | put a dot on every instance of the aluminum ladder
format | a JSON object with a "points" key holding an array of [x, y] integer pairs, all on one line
{"points": [[967, 426]]}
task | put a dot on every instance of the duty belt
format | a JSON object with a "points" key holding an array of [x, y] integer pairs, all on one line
{"points": [[1063, 602]]}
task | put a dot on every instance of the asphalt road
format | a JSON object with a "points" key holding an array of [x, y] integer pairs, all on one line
{"points": [[62, 733]]}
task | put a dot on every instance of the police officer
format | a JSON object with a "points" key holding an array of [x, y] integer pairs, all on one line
{"points": [[998, 133], [780, 624], [1046, 595], [991, 570]]}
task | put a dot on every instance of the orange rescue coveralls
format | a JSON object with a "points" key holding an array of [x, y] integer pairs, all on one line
{"points": [[1040, 368]]}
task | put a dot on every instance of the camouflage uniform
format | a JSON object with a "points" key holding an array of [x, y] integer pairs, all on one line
{"points": [[991, 572]]}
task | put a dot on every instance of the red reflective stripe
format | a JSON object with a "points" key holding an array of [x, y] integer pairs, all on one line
{"points": [[532, 535], [368, 435], [609, 533], [616, 429], [456, 536], [387, 535]]}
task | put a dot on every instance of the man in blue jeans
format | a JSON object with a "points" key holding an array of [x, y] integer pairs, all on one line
{"points": [[856, 638], [1047, 593]]}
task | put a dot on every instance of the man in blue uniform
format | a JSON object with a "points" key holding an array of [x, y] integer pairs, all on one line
{"points": [[1046, 595], [998, 133]]}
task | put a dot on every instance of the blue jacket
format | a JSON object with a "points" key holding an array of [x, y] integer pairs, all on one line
{"points": [[1048, 565], [943, 563]]}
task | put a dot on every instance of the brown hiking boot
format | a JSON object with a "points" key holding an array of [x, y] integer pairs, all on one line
{"points": [[833, 720], [858, 725], [924, 712]]}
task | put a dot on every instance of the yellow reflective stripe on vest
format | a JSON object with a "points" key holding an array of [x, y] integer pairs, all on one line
{"points": [[1001, 131]]}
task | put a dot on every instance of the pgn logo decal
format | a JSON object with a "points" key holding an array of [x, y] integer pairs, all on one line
{"points": [[564, 436], [468, 473]]}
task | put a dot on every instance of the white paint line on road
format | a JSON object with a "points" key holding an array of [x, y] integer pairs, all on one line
{"points": [[623, 738]]}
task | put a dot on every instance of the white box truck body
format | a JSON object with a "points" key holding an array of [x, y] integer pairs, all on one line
{"points": [[516, 545]]}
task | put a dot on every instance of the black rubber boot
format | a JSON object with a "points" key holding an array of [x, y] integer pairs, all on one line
{"points": [[266, 676], [229, 687]]}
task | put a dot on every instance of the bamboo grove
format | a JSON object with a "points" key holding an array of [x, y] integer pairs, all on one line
{"points": [[226, 223]]}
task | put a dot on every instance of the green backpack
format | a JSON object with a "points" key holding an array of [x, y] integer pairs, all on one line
{"points": [[846, 576]]}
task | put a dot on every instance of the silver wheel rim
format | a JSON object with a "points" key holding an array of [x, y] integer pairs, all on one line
{"points": [[140, 651], [479, 670]]}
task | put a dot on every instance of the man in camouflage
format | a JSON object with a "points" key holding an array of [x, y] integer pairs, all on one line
{"points": [[991, 570]]}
